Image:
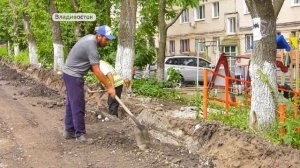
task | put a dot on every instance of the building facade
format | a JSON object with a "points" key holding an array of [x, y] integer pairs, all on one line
{"points": [[223, 26]]}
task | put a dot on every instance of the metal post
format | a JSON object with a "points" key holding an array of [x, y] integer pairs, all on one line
{"points": [[297, 63], [198, 53], [217, 51]]}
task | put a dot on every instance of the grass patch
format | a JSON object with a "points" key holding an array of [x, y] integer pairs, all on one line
{"points": [[154, 88], [22, 57], [238, 117], [3, 51]]}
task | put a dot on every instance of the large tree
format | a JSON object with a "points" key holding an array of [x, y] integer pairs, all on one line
{"points": [[57, 39], [33, 56], [127, 28], [15, 27], [168, 14], [79, 26], [5, 17], [145, 52], [262, 67]]}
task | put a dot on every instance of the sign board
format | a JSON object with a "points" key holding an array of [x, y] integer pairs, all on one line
{"points": [[256, 29]]}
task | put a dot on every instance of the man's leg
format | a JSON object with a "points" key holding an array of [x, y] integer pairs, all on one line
{"points": [[113, 104], [69, 127], [77, 103]]}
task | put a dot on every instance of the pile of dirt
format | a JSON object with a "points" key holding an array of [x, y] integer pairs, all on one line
{"points": [[227, 147], [111, 142], [13, 74], [180, 142]]}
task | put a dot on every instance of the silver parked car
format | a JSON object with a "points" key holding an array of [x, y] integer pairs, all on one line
{"points": [[187, 66]]}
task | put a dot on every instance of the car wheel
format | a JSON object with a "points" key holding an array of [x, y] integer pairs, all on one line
{"points": [[180, 83]]}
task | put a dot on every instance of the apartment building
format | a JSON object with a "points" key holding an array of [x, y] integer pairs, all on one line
{"points": [[223, 26]]}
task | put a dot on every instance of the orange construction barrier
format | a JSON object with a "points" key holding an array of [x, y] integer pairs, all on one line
{"points": [[295, 105], [205, 93], [226, 95], [281, 119], [229, 98]]}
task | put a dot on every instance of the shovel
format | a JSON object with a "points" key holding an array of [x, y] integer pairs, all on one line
{"points": [[141, 133]]}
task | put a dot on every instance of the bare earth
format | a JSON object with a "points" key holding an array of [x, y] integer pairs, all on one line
{"points": [[31, 126]]}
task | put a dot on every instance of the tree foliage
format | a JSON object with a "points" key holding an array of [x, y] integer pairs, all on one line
{"points": [[107, 12], [6, 16], [145, 44]]}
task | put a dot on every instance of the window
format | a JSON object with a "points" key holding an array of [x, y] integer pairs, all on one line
{"points": [[190, 62], [231, 25], [296, 2], [248, 42], [203, 63], [230, 51], [185, 16], [172, 61], [172, 46], [200, 12], [200, 45], [184, 45], [215, 10]]}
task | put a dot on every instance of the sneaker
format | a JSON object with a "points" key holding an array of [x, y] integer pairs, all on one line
{"points": [[81, 138], [69, 135]]}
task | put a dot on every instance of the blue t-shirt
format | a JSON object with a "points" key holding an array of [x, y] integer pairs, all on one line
{"points": [[82, 55]]}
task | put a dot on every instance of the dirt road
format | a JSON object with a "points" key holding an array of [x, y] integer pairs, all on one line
{"points": [[31, 125]]}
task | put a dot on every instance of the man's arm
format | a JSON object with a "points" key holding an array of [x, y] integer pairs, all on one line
{"points": [[101, 77], [111, 78]]}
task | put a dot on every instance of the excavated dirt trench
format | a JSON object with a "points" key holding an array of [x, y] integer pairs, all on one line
{"points": [[170, 123]]}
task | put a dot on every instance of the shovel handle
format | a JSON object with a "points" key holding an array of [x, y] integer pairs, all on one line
{"points": [[128, 112], [123, 105]]}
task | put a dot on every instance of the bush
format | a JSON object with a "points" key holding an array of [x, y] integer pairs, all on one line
{"points": [[91, 78], [174, 76], [3, 51], [154, 88], [22, 57]]}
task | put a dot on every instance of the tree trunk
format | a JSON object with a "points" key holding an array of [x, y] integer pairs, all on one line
{"points": [[57, 40], [162, 41], [79, 26], [15, 28], [264, 92], [264, 87], [8, 49], [33, 57], [126, 50], [163, 28]]}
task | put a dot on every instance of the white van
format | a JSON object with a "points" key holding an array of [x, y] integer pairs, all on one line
{"points": [[187, 66]]}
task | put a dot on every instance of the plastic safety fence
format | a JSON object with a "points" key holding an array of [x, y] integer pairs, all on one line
{"points": [[228, 92]]}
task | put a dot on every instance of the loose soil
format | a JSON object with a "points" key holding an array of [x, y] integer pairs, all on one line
{"points": [[31, 127]]}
